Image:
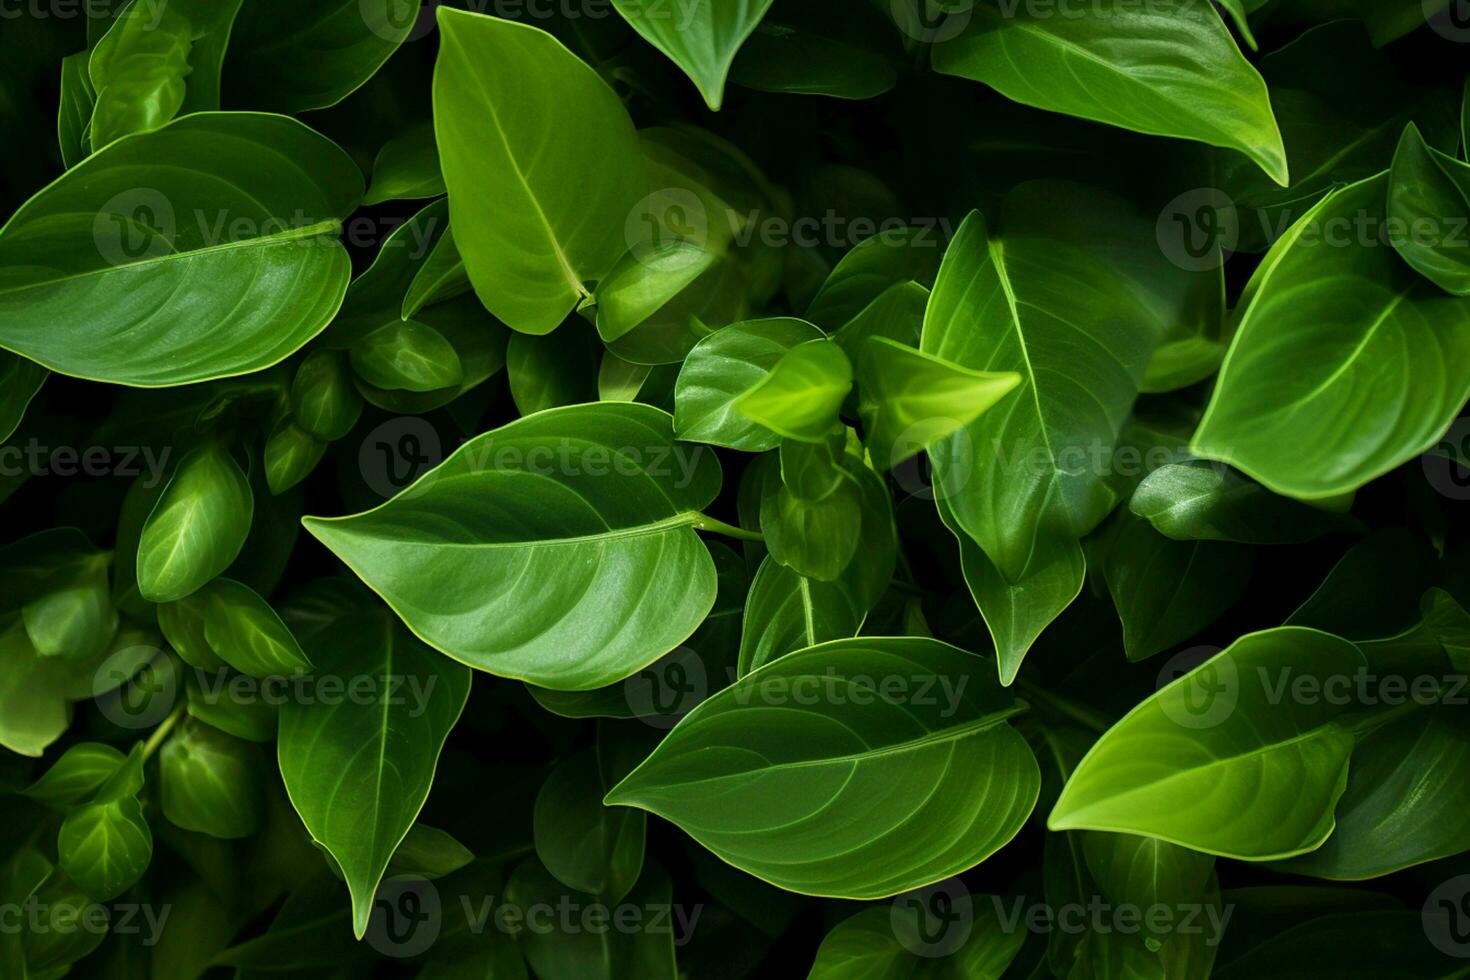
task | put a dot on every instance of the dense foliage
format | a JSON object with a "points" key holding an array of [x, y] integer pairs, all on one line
{"points": [[857, 488]]}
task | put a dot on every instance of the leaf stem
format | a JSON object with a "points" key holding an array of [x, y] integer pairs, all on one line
{"points": [[161, 732], [704, 522]]}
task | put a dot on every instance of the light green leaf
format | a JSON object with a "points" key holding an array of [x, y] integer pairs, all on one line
{"points": [[75, 617], [873, 267], [441, 277], [1336, 327], [244, 631], [700, 38], [224, 263], [1226, 759], [803, 775], [558, 549], [910, 400], [1015, 613], [197, 527], [358, 770], [1079, 334], [724, 366], [407, 355], [1170, 69], [541, 162], [800, 397], [157, 61], [211, 782]]}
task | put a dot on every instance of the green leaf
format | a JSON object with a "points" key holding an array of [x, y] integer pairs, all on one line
{"points": [[820, 47], [286, 62], [564, 950], [242, 713], [1311, 351], [1201, 501], [1015, 613], [723, 367], [1217, 761], [227, 257], [323, 403], [407, 355], [1170, 70], [358, 769], [1146, 873], [34, 709], [562, 161], [589, 847], [74, 119], [899, 942], [75, 618], [788, 611], [406, 168], [1404, 803], [20, 380], [156, 62], [800, 397], [198, 526], [211, 782], [701, 39], [1078, 333], [105, 847], [80, 772], [1429, 204], [1383, 945], [1166, 591], [808, 753], [873, 267], [552, 371], [579, 519], [440, 277], [910, 400], [244, 631]]}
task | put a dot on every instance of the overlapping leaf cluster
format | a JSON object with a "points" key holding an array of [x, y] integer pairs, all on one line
{"points": [[945, 462]]}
